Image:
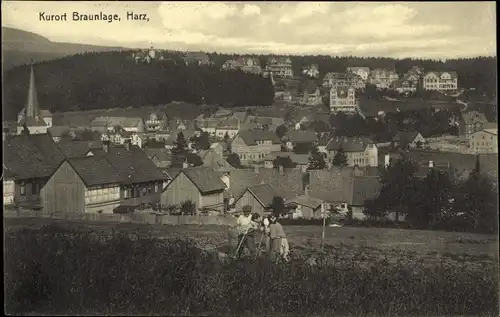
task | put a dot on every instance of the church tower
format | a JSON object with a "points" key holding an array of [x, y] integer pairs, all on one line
{"points": [[32, 118]]}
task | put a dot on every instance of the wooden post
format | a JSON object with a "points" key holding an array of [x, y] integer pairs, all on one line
{"points": [[324, 224]]}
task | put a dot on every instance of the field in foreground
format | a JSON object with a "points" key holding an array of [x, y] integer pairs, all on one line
{"points": [[427, 246], [90, 269]]}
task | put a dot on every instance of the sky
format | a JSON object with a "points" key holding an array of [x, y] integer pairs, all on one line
{"points": [[434, 29]]}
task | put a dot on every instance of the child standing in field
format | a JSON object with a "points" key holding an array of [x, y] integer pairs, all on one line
{"points": [[279, 243]]}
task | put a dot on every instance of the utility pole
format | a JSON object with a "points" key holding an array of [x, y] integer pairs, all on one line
{"points": [[324, 225]]}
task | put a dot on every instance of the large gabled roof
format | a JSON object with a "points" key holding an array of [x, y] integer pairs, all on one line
{"points": [[31, 156], [204, 178], [348, 144], [133, 165], [264, 194], [95, 170], [250, 137]]}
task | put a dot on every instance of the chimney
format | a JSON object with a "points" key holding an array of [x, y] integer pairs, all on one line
{"points": [[387, 160], [281, 170], [105, 146], [431, 164], [128, 144]]}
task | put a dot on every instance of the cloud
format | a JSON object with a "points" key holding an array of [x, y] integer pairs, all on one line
{"points": [[363, 28], [250, 9]]}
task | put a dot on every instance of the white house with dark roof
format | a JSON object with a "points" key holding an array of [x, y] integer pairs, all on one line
{"points": [[254, 145], [359, 151], [440, 81], [311, 94], [129, 124], [363, 72], [280, 67], [311, 71], [36, 120], [382, 78]]}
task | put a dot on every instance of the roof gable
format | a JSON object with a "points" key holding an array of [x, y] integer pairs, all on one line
{"points": [[204, 178], [264, 194]]}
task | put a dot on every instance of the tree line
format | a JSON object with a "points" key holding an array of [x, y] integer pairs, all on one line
{"points": [[113, 80], [436, 201]]}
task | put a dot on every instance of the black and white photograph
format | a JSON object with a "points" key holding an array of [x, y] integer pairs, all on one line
{"points": [[250, 158]]}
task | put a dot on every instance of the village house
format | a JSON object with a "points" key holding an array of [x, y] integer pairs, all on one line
{"points": [[484, 141], [200, 185], [287, 182], [229, 127], [382, 78], [408, 140], [240, 115], [301, 160], [245, 64], [85, 184], [208, 125], [105, 124], [141, 176], [254, 145], [232, 64], [311, 71], [31, 117], [343, 80], [311, 94], [215, 160], [346, 189], [363, 72], [280, 67], [188, 135], [156, 123], [120, 136], [440, 81], [297, 138], [359, 151], [470, 122], [305, 206], [57, 132], [29, 160], [161, 157], [217, 148], [144, 56], [404, 85], [72, 149], [343, 100], [259, 197], [197, 58]]}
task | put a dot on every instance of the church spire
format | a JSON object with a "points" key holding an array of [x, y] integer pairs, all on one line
{"points": [[32, 107]]}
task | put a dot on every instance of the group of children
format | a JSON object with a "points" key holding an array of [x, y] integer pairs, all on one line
{"points": [[273, 236]]}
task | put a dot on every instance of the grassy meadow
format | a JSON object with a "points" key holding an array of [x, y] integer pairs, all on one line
{"points": [[59, 267]]}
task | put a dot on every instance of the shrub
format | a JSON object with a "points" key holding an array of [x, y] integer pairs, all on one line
{"points": [[58, 271]]}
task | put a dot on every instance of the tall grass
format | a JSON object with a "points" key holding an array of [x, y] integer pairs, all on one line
{"points": [[57, 271]]}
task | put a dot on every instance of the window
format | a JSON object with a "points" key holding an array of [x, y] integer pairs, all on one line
{"points": [[23, 189], [34, 188]]}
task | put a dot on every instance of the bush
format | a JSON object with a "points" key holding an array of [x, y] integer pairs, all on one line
{"points": [[58, 271]]}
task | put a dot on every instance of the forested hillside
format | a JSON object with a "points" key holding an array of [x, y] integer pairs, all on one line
{"points": [[20, 47], [111, 79]]}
